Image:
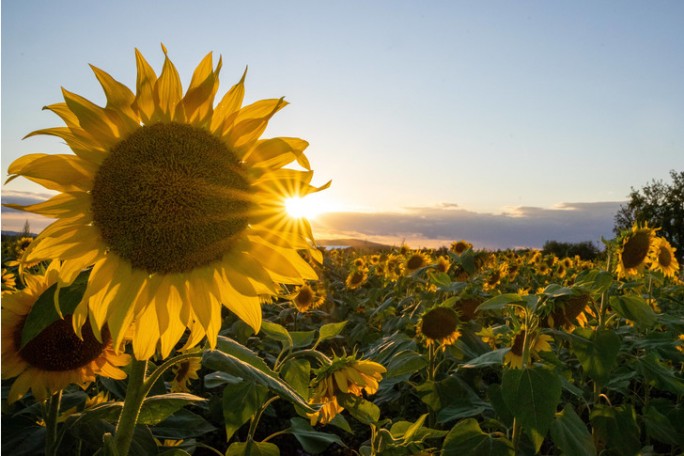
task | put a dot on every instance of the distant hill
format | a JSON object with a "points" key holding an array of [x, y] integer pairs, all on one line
{"points": [[353, 243]]}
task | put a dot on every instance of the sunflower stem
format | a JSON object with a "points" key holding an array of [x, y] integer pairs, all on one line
{"points": [[51, 441], [131, 408]]}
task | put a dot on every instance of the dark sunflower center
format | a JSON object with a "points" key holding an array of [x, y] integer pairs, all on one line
{"points": [[518, 343], [439, 323], [664, 257], [415, 262], [305, 296], [170, 198], [57, 348], [635, 249]]}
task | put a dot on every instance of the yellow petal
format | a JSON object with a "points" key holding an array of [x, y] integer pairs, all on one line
{"points": [[146, 80], [228, 106], [64, 173], [168, 92], [92, 119]]}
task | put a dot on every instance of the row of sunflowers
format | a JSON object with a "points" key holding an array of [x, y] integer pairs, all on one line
{"points": [[174, 308]]}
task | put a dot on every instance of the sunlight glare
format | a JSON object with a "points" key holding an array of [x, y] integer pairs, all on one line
{"points": [[298, 207]]}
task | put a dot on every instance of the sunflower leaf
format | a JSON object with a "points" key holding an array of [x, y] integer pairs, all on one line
{"points": [[499, 302], [157, 408], [330, 330], [236, 359]]}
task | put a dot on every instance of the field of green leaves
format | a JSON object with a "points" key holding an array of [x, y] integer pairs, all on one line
{"points": [[452, 351]]}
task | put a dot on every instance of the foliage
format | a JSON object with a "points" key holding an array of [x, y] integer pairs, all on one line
{"points": [[660, 204]]}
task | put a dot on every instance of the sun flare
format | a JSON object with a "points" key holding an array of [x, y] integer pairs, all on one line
{"points": [[303, 207]]}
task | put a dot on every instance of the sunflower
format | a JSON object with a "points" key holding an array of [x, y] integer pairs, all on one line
{"points": [[416, 261], [9, 280], [439, 326], [356, 278], [443, 264], [183, 373], [664, 259], [307, 299], [176, 203], [458, 247], [495, 276], [637, 250], [345, 375], [570, 311], [514, 357], [56, 357]]}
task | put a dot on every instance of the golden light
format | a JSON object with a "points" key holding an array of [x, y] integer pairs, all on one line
{"points": [[306, 207]]}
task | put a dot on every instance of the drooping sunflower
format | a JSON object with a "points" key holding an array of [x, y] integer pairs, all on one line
{"points": [[539, 343], [345, 375], [569, 311], [439, 326], [636, 252], [175, 202], [56, 357], [183, 373], [664, 259]]}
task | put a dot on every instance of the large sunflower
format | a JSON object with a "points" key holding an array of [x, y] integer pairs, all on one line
{"points": [[176, 203], [664, 259], [637, 251], [55, 357]]}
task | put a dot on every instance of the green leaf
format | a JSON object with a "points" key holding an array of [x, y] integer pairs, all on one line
{"points": [[240, 403], [302, 339], [659, 427], [313, 441], [652, 369], [237, 359], [617, 427], [414, 432], [532, 395], [252, 448], [45, 311], [570, 434], [491, 358], [441, 279], [554, 291], [405, 362], [596, 351], [182, 425], [297, 373], [466, 438], [157, 408], [500, 301], [361, 409], [634, 308], [330, 330], [341, 422], [277, 332]]}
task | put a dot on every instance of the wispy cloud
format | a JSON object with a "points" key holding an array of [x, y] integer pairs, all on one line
{"points": [[521, 226], [516, 227]]}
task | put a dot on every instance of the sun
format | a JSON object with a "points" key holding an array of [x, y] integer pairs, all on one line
{"points": [[303, 207]]}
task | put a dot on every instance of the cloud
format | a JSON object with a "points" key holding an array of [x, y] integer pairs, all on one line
{"points": [[516, 227], [522, 226]]}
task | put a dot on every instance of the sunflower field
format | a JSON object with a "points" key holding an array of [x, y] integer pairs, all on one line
{"points": [[174, 308]]}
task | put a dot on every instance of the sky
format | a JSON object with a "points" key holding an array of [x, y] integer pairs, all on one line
{"points": [[503, 123]]}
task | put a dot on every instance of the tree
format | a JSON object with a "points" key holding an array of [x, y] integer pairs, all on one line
{"points": [[585, 250], [662, 206]]}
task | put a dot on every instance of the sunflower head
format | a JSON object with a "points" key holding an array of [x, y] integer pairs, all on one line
{"points": [[175, 201], [439, 326], [307, 298], [345, 375], [458, 247], [415, 261], [56, 356], [637, 251], [569, 311], [664, 259], [443, 264], [184, 372], [356, 278]]}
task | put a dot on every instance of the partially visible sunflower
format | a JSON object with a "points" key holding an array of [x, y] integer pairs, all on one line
{"points": [[539, 343], [184, 372], [439, 326], [356, 278], [176, 202], [637, 250], [443, 264], [494, 277], [458, 247], [345, 375], [664, 259], [307, 298], [56, 357], [569, 311], [9, 280]]}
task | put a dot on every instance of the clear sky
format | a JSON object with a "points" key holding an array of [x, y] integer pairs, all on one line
{"points": [[496, 112]]}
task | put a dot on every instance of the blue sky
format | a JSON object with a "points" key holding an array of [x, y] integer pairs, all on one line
{"points": [[419, 110]]}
